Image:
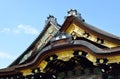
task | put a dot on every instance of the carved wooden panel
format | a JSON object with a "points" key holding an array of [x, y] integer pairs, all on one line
{"points": [[76, 31]]}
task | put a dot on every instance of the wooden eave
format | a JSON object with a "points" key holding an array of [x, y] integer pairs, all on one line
{"points": [[89, 28], [74, 45]]}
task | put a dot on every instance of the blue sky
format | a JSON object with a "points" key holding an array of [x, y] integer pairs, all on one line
{"points": [[22, 20]]}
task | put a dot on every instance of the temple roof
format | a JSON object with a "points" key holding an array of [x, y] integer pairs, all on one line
{"points": [[73, 35]]}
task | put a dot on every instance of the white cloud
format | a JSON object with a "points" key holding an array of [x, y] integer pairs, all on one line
{"points": [[26, 29], [5, 30], [6, 56]]}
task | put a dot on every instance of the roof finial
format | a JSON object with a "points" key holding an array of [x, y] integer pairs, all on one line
{"points": [[52, 19], [73, 12]]}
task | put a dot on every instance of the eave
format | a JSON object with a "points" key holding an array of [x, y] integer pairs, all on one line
{"points": [[73, 45], [89, 28]]}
